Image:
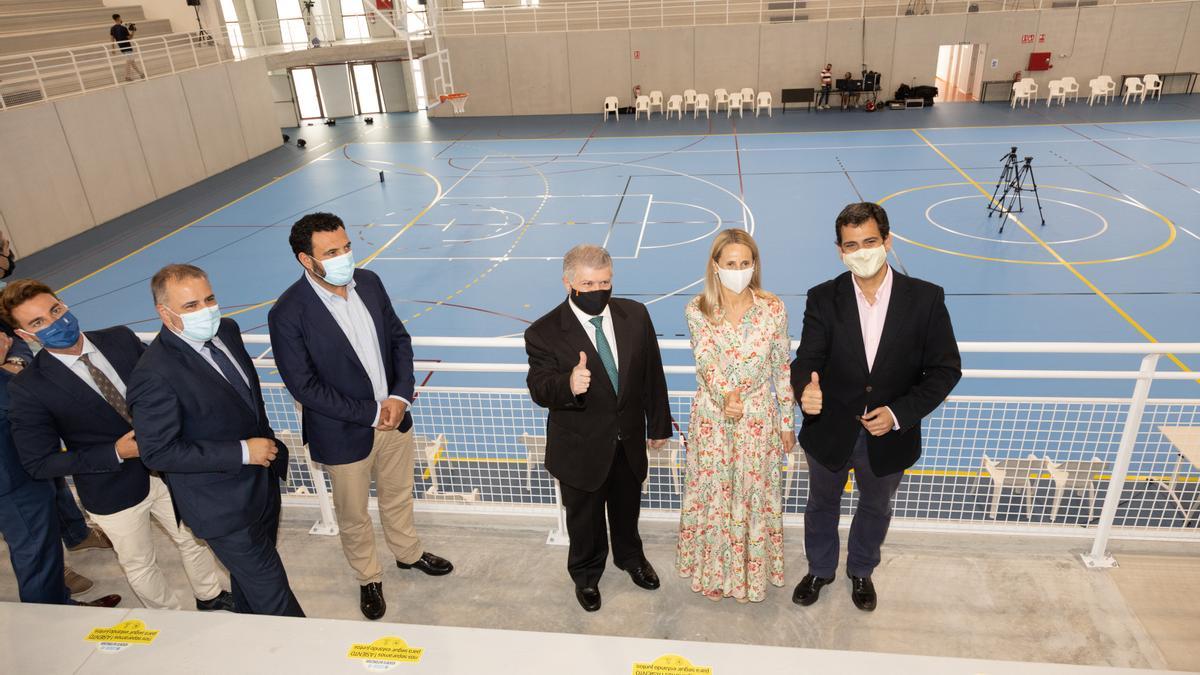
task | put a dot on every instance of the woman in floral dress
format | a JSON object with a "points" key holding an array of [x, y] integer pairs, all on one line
{"points": [[731, 526]]}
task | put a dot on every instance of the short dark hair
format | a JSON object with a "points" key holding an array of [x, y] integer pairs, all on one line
{"points": [[116, 17], [858, 213], [174, 272], [17, 293], [302, 230]]}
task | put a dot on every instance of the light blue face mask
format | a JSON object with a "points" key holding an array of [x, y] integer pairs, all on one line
{"points": [[339, 270], [200, 325]]}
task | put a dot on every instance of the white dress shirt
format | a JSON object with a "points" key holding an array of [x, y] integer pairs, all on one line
{"points": [[585, 320], [199, 347], [351, 315], [75, 364], [871, 318]]}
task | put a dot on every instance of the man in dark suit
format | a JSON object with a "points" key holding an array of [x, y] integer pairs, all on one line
{"points": [[594, 363], [877, 355], [73, 394], [346, 357], [199, 418], [28, 521]]}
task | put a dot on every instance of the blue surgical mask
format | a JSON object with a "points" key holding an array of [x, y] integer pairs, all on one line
{"points": [[200, 325], [61, 334], [339, 270]]}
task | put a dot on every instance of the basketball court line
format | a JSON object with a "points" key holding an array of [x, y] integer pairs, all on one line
{"points": [[1053, 253]]}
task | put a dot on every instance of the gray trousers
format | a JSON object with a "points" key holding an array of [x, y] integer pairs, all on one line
{"points": [[824, 509]]}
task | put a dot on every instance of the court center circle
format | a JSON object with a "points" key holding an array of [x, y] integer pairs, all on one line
{"points": [[1097, 233], [1172, 232]]}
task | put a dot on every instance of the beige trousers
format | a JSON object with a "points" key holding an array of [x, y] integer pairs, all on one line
{"points": [[391, 465], [132, 535]]}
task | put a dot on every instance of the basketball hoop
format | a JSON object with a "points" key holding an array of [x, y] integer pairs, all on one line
{"points": [[457, 99]]}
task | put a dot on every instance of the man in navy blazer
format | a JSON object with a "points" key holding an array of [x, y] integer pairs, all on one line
{"points": [[347, 359], [200, 419], [73, 394]]}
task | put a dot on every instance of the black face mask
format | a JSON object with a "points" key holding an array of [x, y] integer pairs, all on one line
{"points": [[12, 266], [591, 302]]}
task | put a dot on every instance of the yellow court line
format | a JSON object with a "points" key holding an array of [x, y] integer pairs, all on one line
{"points": [[184, 227], [1049, 249], [381, 249]]}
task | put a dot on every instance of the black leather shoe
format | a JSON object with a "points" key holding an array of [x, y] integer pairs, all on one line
{"points": [[429, 564], [809, 589], [643, 575], [106, 601], [588, 597], [371, 601], [222, 603], [862, 592]]}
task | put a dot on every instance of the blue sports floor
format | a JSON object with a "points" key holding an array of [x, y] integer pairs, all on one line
{"points": [[468, 227]]}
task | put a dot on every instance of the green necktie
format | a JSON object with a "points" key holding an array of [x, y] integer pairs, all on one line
{"points": [[605, 351]]}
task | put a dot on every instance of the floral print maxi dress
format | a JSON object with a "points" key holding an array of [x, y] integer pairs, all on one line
{"points": [[731, 525]]}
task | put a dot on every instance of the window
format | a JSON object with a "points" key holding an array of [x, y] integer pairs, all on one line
{"points": [[473, 4], [308, 98], [232, 27], [291, 22], [366, 88], [354, 20]]}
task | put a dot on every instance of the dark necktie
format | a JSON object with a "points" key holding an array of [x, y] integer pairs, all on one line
{"points": [[231, 373], [107, 389]]}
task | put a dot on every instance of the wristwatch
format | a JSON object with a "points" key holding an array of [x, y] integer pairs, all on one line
{"points": [[16, 361]]}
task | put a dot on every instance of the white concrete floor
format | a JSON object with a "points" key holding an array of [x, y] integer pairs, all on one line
{"points": [[972, 596]]}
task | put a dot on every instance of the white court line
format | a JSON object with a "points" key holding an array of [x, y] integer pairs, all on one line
{"points": [[447, 226], [540, 258], [689, 241], [493, 236], [637, 250], [1187, 230]]}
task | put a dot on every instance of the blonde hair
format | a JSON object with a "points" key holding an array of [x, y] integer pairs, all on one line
{"points": [[710, 298]]}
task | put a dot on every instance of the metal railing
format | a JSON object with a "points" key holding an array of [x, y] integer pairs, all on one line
{"points": [[1081, 465], [52, 74], [575, 15]]}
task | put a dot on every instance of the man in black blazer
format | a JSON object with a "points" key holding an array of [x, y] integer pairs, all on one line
{"points": [[877, 354], [73, 394], [199, 418], [347, 359], [594, 363]]}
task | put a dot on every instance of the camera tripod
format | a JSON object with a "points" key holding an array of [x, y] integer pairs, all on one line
{"points": [[1014, 178]]}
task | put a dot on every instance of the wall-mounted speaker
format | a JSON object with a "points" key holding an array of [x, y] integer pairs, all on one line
{"points": [[193, 3]]}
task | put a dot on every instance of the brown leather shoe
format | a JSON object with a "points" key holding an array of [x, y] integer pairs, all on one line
{"points": [[107, 601], [95, 539], [76, 582]]}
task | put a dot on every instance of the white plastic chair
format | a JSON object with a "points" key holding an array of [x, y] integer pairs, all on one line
{"points": [[720, 96], [656, 99], [669, 457], [701, 104], [1072, 87], [735, 102], [1101, 87], [1032, 85], [748, 96], [1015, 474], [1134, 87], [764, 102], [1075, 476], [641, 105], [1021, 91], [1057, 90], [689, 99], [675, 104], [1153, 86], [610, 106]]}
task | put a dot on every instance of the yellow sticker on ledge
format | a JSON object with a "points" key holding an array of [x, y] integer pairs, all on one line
{"points": [[120, 636], [385, 653], [670, 664]]}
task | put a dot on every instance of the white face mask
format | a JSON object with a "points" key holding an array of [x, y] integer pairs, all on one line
{"points": [[735, 280], [865, 262]]}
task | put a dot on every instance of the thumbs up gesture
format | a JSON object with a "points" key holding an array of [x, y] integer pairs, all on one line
{"points": [[581, 377], [734, 408], [810, 398]]}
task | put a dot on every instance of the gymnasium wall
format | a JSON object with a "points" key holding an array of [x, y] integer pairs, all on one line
{"points": [[71, 164], [542, 73]]}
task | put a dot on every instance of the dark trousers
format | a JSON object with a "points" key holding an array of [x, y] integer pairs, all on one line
{"points": [[30, 527], [621, 497], [257, 579], [823, 99], [72, 526], [824, 509]]}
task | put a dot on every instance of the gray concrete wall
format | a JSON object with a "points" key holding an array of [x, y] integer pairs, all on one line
{"points": [[524, 73]]}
